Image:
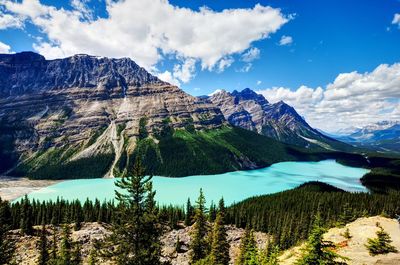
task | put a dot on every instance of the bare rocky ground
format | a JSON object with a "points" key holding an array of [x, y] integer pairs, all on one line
{"points": [[360, 230], [27, 252], [354, 248], [13, 188]]}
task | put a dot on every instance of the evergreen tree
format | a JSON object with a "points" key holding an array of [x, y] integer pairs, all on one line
{"points": [[54, 248], [248, 249], [65, 257], [43, 246], [381, 244], [199, 244], [220, 245], [319, 251], [26, 217], [7, 246], [188, 213], [212, 212], [346, 215], [76, 257], [135, 237], [94, 252], [78, 216], [269, 256]]}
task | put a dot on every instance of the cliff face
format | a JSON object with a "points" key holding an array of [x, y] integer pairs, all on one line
{"points": [[252, 111], [87, 105]]}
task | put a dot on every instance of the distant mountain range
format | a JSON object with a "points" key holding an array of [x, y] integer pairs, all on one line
{"points": [[86, 116], [382, 136], [252, 111]]}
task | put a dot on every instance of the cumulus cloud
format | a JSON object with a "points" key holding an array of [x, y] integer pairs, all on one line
{"points": [[396, 19], [285, 40], [352, 99], [149, 30], [4, 48], [9, 21]]}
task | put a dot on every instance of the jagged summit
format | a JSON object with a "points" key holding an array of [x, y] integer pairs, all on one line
{"points": [[29, 72], [250, 110]]}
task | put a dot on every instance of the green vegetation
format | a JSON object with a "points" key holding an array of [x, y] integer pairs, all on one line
{"points": [[135, 238], [319, 251], [55, 163], [384, 175], [209, 152], [198, 244], [7, 245], [288, 216], [381, 244]]}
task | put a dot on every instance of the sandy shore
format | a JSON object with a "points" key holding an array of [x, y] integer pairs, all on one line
{"points": [[12, 188]]}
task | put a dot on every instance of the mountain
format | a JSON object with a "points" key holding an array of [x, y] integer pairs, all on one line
{"points": [[252, 111], [383, 136], [87, 116]]}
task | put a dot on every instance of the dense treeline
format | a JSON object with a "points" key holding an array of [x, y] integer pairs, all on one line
{"points": [[288, 215], [62, 211]]}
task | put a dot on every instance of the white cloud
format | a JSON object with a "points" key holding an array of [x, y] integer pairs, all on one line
{"points": [[251, 55], [224, 63], [9, 21], [396, 19], [4, 48], [246, 68], [285, 40], [167, 76], [259, 82], [353, 99], [185, 72], [148, 30]]}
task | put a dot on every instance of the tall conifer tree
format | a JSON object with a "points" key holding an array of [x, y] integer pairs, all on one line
{"points": [[136, 235]]}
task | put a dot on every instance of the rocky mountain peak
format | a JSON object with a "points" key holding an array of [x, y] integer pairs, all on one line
{"points": [[29, 72], [250, 110]]}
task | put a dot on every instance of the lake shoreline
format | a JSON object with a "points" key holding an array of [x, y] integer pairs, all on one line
{"points": [[12, 188]]}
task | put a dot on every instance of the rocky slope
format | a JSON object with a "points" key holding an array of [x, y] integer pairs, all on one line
{"points": [[252, 111], [27, 251], [86, 116]]}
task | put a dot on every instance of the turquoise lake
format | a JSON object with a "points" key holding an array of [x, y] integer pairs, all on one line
{"points": [[233, 186]]}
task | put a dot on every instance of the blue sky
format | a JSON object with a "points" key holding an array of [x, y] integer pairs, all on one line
{"points": [[326, 38]]}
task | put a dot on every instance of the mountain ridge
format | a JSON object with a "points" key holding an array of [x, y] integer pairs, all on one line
{"points": [[250, 110]]}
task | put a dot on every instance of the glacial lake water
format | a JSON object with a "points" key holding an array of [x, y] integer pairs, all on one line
{"points": [[233, 186]]}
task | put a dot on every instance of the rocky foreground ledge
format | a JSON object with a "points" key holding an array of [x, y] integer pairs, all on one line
{"points": [[353, 248]]}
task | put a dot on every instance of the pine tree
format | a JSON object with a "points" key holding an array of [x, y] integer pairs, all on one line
{"points": [[220, 245], [43, 246], [199, 244], [319, 251], [248, 249], [269, 256], [188, 213], [381, 244], [7, 246], [135, 238], [76, 257], [26, 217], [54, 248], [94, 252], [212, 212], [66, 247]]}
